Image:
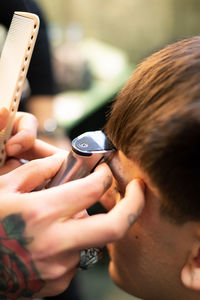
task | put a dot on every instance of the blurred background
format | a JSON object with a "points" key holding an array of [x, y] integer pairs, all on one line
{"points": [[138, 27], [94, 46], [97, 43]]}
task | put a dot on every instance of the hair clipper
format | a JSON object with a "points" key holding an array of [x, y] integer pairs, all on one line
{"points": [[88, 150]]}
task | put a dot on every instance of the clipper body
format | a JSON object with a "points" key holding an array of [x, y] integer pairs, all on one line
{"points": [[88, 150]]}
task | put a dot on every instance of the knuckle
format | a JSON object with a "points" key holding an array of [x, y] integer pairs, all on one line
{"points": [[43, 249], [32, 214], [36, 215]]}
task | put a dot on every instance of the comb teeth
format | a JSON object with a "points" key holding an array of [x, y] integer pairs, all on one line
{"points": [[14, 63]]}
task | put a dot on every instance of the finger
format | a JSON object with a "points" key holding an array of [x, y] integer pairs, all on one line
{"points": [[55, 265], [101, 229], [40, 149], [68, 199], [10, 165], [24, 134], [28, 176], [56, 286], [4, 115], [108, 200]]}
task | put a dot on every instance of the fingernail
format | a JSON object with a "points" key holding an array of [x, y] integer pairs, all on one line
{"points": [[141, 183], [14, 149]]}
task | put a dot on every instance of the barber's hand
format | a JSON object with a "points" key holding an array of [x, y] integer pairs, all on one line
{"points": [[23, 134], [22, 138], [39, 149], [40, 237]]}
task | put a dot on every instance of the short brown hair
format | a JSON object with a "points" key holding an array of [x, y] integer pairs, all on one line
{"points": [[155, 120]]}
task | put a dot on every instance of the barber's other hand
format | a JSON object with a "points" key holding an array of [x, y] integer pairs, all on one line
{"points": [[22, 138], [23, 134], [39, 149], [40, 236]]}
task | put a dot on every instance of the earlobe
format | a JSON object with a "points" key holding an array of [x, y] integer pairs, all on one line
{"points": [[190, 275]]}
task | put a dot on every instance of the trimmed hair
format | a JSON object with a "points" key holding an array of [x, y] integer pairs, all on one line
{"points": [[155, 121]]}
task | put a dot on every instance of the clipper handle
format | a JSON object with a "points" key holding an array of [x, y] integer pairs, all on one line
{"points": [[88, 150], [75, 167]]}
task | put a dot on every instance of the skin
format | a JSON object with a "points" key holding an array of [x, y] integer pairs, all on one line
{"points": [[56, 239], [43, 227], [150, 260], [24, 132], [22, 138]]}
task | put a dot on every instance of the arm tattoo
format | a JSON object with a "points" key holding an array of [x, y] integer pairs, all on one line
{"points": [[18, 274], [131, 219]]}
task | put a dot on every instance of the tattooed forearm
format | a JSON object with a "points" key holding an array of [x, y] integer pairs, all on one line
{"points": [[18, 275]]}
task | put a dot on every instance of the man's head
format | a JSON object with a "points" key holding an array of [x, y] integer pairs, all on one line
{"points": [[155, 123]]}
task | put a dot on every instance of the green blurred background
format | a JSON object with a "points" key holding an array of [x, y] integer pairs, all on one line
{"points": [[120, 33], [137, 26]]}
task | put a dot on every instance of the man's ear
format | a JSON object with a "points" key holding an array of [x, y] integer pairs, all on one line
{"points": [[190, 275]]}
